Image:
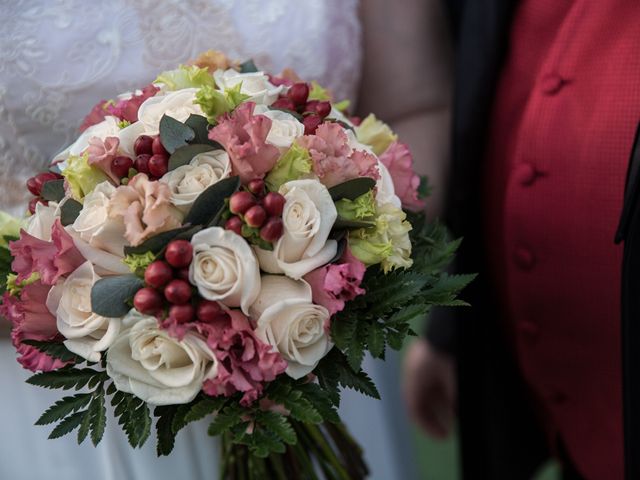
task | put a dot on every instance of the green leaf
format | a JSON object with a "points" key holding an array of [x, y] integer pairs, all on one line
{"points": [[98, 418], [200, 125], [110, 296], [183, 155], [408, 314], [226, 419], [64, 407], [134, 418], [211, 202], [278, 425], [55, 350], [68, 425], [66, 378], [248, 67], [343, 223], [174, 134], [336, 368], [204, 407], [53, 190], [352, 189], [166, 437], [321, 400], [157, 243], [85, 426], [69, 211], [376, 340]]}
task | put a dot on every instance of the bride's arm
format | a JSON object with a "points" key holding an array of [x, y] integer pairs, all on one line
{"points": [[407, 80]]}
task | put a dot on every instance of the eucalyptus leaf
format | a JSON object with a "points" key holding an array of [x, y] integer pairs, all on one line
{"points": [[174, 134], [200, 126], [69, 211], [352, 189], [110, 296], [53, 190], [183, 155], [248, 67], [156, 243], [210, 203]]}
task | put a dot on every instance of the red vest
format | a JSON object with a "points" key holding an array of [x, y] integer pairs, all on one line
{"points": [[563, 125]]}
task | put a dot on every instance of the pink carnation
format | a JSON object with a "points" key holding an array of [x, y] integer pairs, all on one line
{"points": [[398, 160], [245, 362], [335, 284], [334, 161], [51, 260], [31, 320], [128, 109], [97, 114], [101, 154], [243, 135]]}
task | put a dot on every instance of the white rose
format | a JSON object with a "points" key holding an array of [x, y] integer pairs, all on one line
{"points": [[189, 181], [39, 224], [224, 268], [179, 105], [285, 128], [94, 225], [69, 301], [288, 320], [157, 368], [254, 84], [107, 128], [308, 216]]}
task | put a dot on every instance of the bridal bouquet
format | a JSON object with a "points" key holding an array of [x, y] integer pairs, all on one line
{"points": [[226, 244]]}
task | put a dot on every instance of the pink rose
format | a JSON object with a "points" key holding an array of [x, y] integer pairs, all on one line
{"points": [[398, 160], [51, 260], [128, 109], [335, 284], [244, 362], [243, 135], [101, 154], [145, 208], [334, 161], [31, 320]]}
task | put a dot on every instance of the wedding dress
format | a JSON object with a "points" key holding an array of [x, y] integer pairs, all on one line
{"points": [[57, 59]]}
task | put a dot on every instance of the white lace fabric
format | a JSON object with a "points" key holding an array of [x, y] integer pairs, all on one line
{"points": [[60, 57]]}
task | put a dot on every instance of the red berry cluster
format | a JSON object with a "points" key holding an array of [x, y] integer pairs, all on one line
{"points": [[35, 184], [251, 207], [151, 158], [297, 100]]}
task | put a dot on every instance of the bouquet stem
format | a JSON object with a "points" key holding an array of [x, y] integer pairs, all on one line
{"points": [[324, 451]]}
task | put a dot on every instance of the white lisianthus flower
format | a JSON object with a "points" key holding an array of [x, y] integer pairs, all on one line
{"points": [[288, 320], [146, 361], [385, 191], [179, 105], [39, 224], [254, 84], [107, 128], [87, 334], [224, 268], [189, 181], [285, 128], [308, 216]]}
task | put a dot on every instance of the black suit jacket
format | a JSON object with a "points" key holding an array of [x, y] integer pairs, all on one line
{"points": [[500, 436]]}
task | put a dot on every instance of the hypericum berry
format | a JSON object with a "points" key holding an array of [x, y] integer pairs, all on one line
{"points": [[177, 291], [256, 186], [273, 203], [143, 145], [255, 216], [157, 148], [158, 165], [35, 183], [183, 273], [234, 224], [120, 166], [323, 109], [272, 229], [299, 93], [310, 123], [182, 313], [147, 301], [208, 310], [141, 163], [284, 103], [179, 253], [34, 186], [241, 201], [158, 274]]}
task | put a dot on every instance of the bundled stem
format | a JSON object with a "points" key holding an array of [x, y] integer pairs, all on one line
{"points": [[326, 451]]}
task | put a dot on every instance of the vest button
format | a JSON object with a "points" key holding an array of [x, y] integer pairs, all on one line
{"points": [[524, 258], [526, 174], [552, 83]]}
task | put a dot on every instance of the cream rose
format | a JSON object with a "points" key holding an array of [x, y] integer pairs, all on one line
{"points": [[39, 224], [285, 128], [87, 334], [254, 84], [179, 105], [147, 362], [288, 320], [224, 268], [189, 181], [308, 216]]}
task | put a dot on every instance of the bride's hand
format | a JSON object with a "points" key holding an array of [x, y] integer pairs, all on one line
{"points": [[430, 388]]}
